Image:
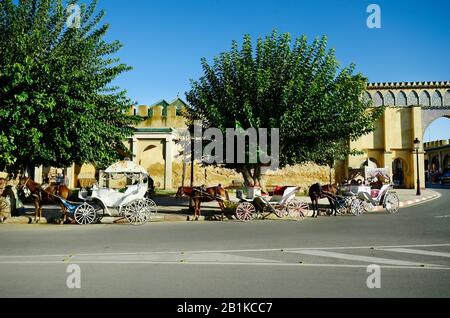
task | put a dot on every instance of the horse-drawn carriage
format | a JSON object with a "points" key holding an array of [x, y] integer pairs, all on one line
{"points": [[130, 202], [377, 190], [282, 203]]}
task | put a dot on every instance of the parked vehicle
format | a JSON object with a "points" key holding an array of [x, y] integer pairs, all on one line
{"points": [[129, 203], [445, 178], [282, 203], [378, 191]]}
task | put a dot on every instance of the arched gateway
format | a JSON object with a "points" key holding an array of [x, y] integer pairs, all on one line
{"points": [[411, 108]]}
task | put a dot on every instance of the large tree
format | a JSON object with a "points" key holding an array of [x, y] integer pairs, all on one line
{"points": [[297, 87], [57, 105]]}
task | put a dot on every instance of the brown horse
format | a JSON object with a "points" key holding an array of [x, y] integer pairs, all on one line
{"points": [[201, 194], [42, 196], [317, 192]]}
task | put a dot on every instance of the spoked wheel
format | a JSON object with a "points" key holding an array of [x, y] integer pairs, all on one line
{"points": [[136, 212], [342, 209], [152, 208], [297, 209], [245, 211], [392, 203], [281, 212], [357, 207], [99, 210], [344, 206], [85, 214]]}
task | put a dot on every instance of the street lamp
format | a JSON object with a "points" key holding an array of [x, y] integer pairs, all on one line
{"points": [[416, 147]]}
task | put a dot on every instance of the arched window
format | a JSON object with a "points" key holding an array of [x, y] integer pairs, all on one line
{"points": [[447, 98], [378, 99], [425, 99], [401, 99], [413, 98], [389, 99], [367, 97], [437, 99]]}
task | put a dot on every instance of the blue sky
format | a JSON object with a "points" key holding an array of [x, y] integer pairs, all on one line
{"points": [[164, 40]]}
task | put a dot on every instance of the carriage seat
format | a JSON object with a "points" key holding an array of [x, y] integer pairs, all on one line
{"points": [[374, 193], [283, 194], [279, 190], [131, 189]]}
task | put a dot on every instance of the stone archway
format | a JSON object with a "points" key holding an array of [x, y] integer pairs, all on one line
{"points": [[430, 115], [410, 108]]}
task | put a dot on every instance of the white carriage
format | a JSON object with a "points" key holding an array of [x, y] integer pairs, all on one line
{"points": [[121, 193], [377, 190], [282, 203]]}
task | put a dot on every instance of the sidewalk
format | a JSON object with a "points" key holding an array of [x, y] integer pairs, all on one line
{"points": [[172, 209]]}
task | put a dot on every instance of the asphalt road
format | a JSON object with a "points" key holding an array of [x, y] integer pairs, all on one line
{"points": [[325, 257]]}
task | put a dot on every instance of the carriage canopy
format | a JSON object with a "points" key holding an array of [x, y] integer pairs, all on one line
{"points": [[126, 166]]}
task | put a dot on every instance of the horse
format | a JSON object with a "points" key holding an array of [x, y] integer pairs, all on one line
{"points": [[202, 194], [317, 192], [43, 195]]}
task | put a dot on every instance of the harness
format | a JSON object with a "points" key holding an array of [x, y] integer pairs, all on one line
{"points": [[201, 193]]}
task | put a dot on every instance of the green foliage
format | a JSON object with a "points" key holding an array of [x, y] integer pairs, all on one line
{"points": [[296, 87], [56, 103]]}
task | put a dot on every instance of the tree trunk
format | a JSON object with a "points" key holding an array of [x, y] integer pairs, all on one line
{"points": [[330, 175], [331, 165], [251, 178]]}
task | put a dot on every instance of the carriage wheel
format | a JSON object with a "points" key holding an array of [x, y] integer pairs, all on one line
{"points": [[392, 203], [152, 208], [281, 212], [99, 210], [245, 211], [149, 208], [357, 207], [85, 214], [297, 209], [136, 212], [343, 209]]}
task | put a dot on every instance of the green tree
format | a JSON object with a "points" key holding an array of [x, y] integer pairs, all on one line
{"points": [[332, 152], [296, 87], [57, 105]]}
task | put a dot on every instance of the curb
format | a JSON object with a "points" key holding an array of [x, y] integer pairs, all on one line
{"points": [[409, 203], [109, 220]]}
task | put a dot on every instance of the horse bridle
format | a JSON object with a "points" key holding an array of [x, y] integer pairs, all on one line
{"points": [[24, 186]]}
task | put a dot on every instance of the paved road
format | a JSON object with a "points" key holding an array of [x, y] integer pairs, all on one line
{"points": [[327, 257]]}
